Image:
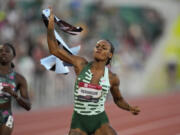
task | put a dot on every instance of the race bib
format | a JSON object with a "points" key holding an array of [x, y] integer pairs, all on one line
{"points": [[1, 87], [10, 121], [89, 92]]}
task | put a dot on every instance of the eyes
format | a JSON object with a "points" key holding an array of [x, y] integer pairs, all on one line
{"points": [[101, 46], [7, 50]]}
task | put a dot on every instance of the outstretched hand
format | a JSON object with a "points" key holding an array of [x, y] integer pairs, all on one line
{"points": [[135, 110]]}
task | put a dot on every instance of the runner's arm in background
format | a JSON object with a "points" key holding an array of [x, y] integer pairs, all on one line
{"points": [[23, 99]]}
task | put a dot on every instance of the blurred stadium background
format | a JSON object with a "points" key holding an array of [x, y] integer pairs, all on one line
{"points": [[146, 36]]}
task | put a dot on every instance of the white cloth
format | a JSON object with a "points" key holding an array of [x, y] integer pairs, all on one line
{"points": [[50, 61]]}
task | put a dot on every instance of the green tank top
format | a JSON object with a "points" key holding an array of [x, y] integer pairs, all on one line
{"points": [[89, 99], [7, 80]]}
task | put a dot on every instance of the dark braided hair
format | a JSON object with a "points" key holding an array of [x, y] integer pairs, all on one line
{"points": [[112, 51], [14, 52]]}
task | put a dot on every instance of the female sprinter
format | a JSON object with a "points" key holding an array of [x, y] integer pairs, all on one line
{"points": [[10, 83], [93, 82]]}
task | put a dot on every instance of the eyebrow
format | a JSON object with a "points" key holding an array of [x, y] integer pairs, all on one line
{"points": [[103, 45]]}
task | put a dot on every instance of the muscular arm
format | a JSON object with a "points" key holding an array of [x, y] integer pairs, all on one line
{"points": [[76, 61], [23, 99], [118, 99]]}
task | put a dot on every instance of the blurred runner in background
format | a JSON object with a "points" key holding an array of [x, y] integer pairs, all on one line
{"points": [[10, 83]]}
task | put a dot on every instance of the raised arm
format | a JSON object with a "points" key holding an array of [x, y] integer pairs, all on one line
{"points": [[76, 61], [118, 99]]}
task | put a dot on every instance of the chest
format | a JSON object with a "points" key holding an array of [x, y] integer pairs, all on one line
{"points": [[92, 88], [96, 77]]}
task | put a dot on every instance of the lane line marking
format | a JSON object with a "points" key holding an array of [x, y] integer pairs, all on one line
{"points": [[150, 126]]}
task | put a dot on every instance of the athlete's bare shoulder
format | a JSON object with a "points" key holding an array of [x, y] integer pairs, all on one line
{"points": [[20, 78], [114, 79]]}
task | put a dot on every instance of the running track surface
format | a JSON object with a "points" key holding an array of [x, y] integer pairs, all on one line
{"points": [[160, 115]]}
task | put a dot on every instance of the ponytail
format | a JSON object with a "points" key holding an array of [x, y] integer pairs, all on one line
{"points": [[112, 51], [12, 65]]}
